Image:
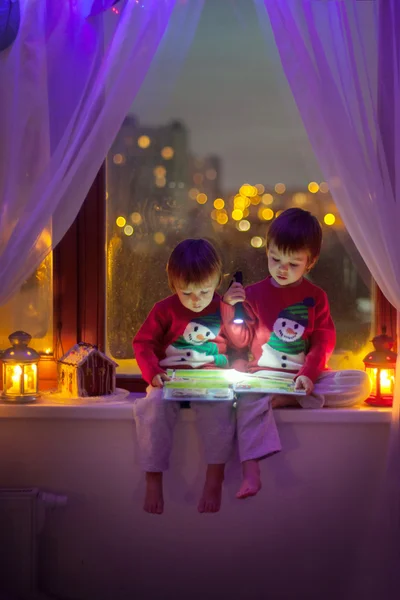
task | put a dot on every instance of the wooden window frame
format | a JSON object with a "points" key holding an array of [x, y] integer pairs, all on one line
{"points": [[79, 284]]}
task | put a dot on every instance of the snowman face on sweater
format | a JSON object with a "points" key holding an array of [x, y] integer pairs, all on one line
{"points": [[197, 334], [288, 330]]}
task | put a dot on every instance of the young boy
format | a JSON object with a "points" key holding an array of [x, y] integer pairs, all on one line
{"points": [[183, 330], [289, 328]]}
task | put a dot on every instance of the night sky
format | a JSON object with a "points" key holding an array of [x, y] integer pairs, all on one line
{"points": [[231, 92]]}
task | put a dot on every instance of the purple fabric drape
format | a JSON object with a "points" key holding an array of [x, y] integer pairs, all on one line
{"points": [[342, 62], [66, 84]]}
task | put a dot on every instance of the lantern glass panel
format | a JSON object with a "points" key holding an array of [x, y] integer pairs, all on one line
{"points": [[373, 374], [13, 379], [386, 378], [30, 379]]}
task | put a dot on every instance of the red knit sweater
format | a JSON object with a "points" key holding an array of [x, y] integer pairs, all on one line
{"points": [[174, 336], [288, 328]]}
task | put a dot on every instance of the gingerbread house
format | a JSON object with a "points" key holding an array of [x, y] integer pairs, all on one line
{"points": [[85, 371]]}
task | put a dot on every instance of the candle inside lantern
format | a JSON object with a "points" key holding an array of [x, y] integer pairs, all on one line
{"points": [[387, 382], [15, 372]]}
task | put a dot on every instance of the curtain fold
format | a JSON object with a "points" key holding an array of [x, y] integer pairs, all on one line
{"points": [[66, 84], [342, 62]]}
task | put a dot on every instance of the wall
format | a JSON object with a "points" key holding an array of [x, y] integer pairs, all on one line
{"points": [[299, 538]]}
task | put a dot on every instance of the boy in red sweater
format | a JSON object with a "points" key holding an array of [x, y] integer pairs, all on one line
{"points": [[289, 328], [184, 331]]}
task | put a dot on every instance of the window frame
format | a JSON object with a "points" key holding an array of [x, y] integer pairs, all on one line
{"points": [[79, 280]]}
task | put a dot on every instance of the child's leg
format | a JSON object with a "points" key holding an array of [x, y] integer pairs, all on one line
{"points": [[257, 438], [155, 419], [216, 427]]}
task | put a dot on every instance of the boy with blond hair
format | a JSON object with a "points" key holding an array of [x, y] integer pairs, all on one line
{"points": [[289, 329]]}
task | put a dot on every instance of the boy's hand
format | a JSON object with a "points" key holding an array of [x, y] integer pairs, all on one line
{"points": [[304, 383], [234, 294], [158, 380]]}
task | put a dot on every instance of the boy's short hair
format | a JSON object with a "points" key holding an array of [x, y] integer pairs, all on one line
{"points": [[193, 261], [296, 229]]}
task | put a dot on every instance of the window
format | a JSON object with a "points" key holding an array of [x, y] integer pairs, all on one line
{"points": [[175, 171], [31, 309]]}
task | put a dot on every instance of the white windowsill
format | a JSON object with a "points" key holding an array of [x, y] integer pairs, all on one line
{"points": [[45, 408]]}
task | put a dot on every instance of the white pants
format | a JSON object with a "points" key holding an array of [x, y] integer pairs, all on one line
{"points": [[155, 421], [252, 420], [334, 389], [257, 434]]}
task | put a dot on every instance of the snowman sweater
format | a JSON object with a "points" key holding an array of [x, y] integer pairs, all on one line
{"points": [[174, 336], [286, 329]]}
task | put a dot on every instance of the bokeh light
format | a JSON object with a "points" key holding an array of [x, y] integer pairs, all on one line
{"points": [[324, 187], [239, 202], [267, 214], [219, 203], [313, 187], [144, 141], [222, 218], [119, 159], [128, 230], [201, 198], [211, 174], [280, 188], [193, 193], [256, 241], [159, 237], [237, 214], [160, 171], [246, 190], [167, 152], [267, 199], [244, 225], [136, 218], [329, 219], [121, 221]]}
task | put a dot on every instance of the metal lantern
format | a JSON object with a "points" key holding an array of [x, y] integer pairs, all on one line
{"points": [[20, 370], [381, 366]]}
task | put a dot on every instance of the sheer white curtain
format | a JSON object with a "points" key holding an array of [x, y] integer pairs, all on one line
{"points": [[66, 84], [341, 60]]}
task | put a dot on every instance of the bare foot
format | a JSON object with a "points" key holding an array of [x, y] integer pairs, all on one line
{"points": [[251, 482], [154, 500], [281, 400], [210, 501]]}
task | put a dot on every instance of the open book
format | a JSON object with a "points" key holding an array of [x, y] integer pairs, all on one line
{"points": [[222, 384]]}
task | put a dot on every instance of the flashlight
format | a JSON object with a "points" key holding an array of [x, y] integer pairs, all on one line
{"points": [[239, 310]]}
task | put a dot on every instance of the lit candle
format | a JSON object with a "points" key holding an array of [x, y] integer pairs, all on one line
{"points": [[386, 382], [16, 378]]}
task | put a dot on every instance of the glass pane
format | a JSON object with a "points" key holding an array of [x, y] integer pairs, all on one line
{"points": [[173, 172], [31, 309], [13, 380], [30, 378]]}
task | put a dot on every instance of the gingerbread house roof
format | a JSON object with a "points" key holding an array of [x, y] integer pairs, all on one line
{"points": [[78, 355]]}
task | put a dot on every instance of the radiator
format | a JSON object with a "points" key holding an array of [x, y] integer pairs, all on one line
{"points": [[22, 516]]}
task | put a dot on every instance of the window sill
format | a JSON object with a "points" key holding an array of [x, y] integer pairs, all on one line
{"points": [[45, 408]]}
